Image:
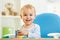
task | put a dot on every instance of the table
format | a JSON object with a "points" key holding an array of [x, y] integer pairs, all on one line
{"points": [[29, 39]]}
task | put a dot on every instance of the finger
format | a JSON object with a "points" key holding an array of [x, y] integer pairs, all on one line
{"points": [[20, 34]]}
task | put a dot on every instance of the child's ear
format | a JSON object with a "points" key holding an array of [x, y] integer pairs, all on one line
{"points": [[20, 16]]}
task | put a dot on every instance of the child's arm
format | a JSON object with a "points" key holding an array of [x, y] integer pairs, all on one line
{"points": [[22, 33], [35, 34]]}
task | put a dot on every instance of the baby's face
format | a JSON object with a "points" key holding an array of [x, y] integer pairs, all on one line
{"points": [[28, 15]]}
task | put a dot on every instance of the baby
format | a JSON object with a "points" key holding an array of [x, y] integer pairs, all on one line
{"points": [[29, 29]]}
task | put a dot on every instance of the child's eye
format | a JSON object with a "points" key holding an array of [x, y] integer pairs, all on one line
{"points": [[25, 15], [30, 14]]}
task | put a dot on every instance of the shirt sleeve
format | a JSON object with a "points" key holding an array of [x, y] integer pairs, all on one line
{"points": [[35, 34]]}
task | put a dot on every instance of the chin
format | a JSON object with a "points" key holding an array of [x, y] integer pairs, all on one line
{"points": [[28, 23]]}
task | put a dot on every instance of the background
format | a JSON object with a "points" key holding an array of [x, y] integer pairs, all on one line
{"points": [[13, 22]]}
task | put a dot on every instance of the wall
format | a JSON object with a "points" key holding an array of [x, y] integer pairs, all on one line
{"points": [[43, 6]]}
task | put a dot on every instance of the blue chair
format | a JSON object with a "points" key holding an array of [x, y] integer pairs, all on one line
{"points": [[49, 23]]}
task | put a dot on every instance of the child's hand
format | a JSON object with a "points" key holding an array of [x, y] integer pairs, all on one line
{"points": [[19, 33], [22, 33]]}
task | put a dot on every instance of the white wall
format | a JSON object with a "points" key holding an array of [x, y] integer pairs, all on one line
{"points": [[43, 6], [40, 5], [54, 7]]}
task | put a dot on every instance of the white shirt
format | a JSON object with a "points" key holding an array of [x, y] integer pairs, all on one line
{"points": [[33, 32]]}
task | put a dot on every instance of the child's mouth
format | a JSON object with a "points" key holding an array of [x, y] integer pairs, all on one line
{"points": [[28, 20]]}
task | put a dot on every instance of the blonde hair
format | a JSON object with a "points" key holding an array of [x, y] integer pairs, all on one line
{"points": [[28, 7]]}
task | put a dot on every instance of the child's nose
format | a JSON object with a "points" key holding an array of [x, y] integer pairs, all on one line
{"points": [[28, 16]]}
